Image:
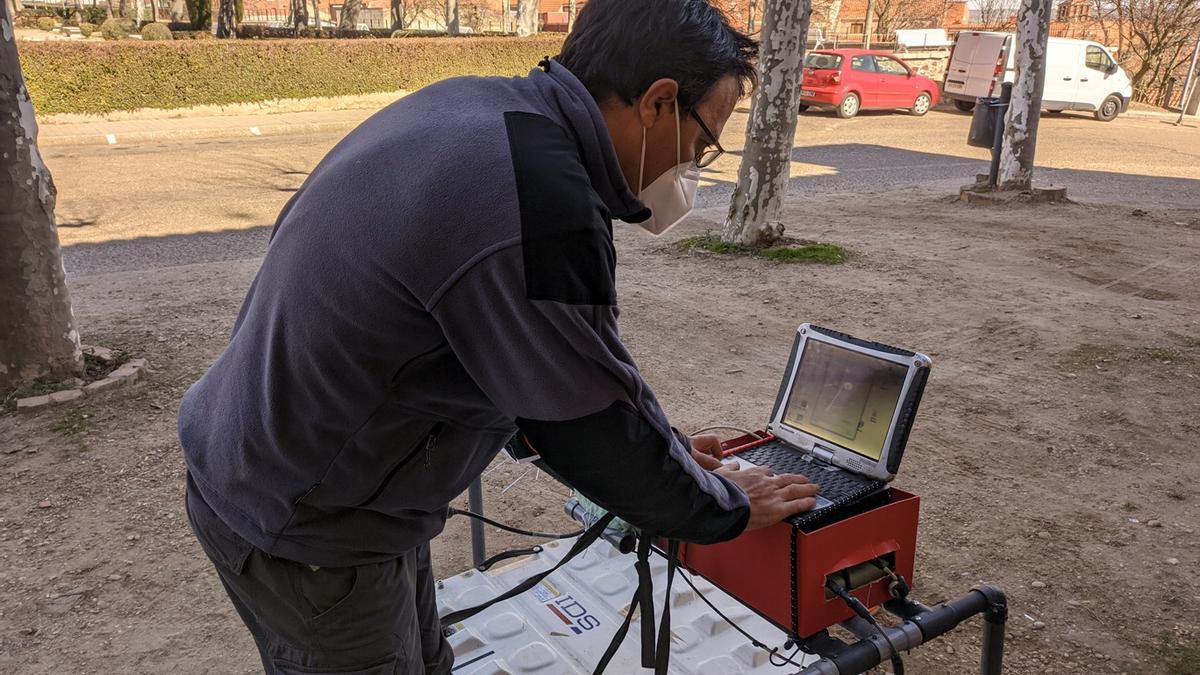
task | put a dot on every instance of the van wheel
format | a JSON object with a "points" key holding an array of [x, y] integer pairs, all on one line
{"points": [[965, 106], [1109, 110], [803, 107], [922, 104], [849, 107]]}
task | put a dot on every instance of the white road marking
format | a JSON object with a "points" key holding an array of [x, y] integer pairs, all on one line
{"points": [[255, 131], [111, 138]]}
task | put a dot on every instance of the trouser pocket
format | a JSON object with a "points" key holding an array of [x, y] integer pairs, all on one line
{"points": [[221, 544]]}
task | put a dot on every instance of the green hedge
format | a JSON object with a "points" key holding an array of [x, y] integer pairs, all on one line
{"points": [[74, 77]]}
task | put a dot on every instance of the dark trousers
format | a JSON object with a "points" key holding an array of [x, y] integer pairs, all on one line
{"points": [[376, 619]]}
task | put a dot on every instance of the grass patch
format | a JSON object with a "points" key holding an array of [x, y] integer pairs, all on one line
{"points": [[1161, 354], [825, 254], [789, 252], [96, 368], [72, 423], [1180, 658], [36, 388]]}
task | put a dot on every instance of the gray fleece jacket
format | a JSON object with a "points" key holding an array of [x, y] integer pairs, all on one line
{"points": [[442, 281]]}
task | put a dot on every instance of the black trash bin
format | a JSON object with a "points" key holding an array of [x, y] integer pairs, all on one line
{"points": [[989, 112]]}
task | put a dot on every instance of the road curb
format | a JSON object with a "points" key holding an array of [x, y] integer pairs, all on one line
{"points": [[101, 137]]}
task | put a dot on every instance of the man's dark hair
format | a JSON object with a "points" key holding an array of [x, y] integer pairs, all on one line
{"points": [[620, 47]]}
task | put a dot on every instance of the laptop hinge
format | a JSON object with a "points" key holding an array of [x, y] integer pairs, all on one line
{"points": [[822, 453]]}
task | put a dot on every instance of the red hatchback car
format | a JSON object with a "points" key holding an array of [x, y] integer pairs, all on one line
{"points": [[849, 80]]}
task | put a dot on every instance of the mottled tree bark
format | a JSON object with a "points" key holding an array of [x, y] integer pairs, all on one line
{"points": [[1189, 102], [571, 11], [227, 19], [397, 15], [868, 24], [831, 20], [38, 338], [299, 18], [349, 18], [765, 171], [1025, 108], [452, 20], [179, 11], [316, 13], [751, 15], [527, 22]]}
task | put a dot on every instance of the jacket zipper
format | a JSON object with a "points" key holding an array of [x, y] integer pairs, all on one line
{"points": [[431, 442]]}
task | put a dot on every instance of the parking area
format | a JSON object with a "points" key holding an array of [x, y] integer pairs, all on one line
{"points": [[1137, 161]]}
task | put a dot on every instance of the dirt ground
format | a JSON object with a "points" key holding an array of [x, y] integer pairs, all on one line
{"points": [[1054, 451]]}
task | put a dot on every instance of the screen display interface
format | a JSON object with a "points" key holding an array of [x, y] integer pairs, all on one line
{"points": [[845, 397]]}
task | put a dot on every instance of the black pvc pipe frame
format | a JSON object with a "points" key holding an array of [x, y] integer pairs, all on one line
{"points": [[921, 624]]}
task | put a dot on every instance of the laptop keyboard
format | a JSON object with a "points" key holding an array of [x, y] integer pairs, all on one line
{"points": [[838, 487]]}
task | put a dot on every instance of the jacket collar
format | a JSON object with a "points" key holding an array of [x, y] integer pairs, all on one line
{"points": [[582, 117]]}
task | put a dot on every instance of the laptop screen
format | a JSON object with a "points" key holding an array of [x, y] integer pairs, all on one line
{"points": [[845, 397]]}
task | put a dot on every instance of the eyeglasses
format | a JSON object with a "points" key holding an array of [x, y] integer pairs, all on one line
{"points": [[709, 154]]}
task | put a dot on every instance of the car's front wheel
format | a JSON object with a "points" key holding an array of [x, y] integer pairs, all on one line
{"points": [[965, 106], [1109, 109], [803, 107], [922, 104], [849, 106]]}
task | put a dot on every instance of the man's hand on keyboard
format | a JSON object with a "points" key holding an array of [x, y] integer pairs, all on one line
{"points": [[773, 496], [706, 450]]}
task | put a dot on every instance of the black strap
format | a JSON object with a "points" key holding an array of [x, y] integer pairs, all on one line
{"points": [[635, 605], [663, 655], [586, 539], [646, 601], [656, 654]]}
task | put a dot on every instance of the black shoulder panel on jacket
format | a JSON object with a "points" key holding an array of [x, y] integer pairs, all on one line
{"points": [[566, 232]]}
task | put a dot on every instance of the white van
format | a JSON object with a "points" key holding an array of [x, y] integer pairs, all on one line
{"points": [[1080, 74]]}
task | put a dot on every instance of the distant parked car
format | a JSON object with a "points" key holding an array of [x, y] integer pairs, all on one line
{"points": [[849, 80]]}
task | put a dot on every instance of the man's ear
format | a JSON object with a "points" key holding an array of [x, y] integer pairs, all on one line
{"points": [[657, 101]]}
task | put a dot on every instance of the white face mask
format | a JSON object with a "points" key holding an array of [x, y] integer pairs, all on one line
{"points": [[672, 195]]}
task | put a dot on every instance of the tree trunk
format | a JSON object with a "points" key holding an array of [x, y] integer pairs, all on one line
{"points": [[452, 17], [121, 11], [1025, 108], [38, 338], [140, 17], [868, 24], [751, 15], [349, 19], [571, 10], [179, 11], [831, 21], [765, 171], [1189, 100], [226, 19], [316, 14], [397, 14], [299, 19], [527, 17]]}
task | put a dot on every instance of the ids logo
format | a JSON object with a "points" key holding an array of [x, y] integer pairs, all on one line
{"points": [[575, 615]]}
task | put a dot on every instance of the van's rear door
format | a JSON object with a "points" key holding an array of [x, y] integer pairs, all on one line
{"points": [[972, 69]]}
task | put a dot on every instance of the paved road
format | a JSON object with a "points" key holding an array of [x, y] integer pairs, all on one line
{"points": [[173, 201]]}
